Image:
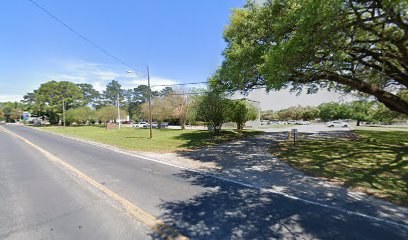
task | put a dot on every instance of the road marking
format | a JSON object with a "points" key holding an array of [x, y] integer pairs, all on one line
{"points": [[209, 174], [148, 219]]}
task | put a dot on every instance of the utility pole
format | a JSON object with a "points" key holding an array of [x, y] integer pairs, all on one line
{"points": [[119, 110], [150, 102], [63, 111]]}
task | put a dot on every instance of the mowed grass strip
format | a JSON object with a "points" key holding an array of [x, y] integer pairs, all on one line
{"points": [[164, 140], [375, 163]]}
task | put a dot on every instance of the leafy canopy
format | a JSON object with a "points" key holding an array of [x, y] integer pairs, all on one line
{"points": [[49, 99], [240, 111], [337, 44]]}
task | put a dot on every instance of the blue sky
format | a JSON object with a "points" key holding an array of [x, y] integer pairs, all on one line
{"points": [[181, 41]]}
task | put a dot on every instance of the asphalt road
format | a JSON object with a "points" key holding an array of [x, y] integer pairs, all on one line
{"points": [[40, 200]]}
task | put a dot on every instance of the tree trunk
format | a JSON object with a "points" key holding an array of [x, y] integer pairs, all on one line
{"points": [[183, 123]]}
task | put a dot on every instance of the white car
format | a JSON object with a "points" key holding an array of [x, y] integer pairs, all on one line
{"points": [[140, 125], [337, 124], [302, 122]]}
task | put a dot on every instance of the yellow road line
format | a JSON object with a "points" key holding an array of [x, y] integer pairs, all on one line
{"points": [[151, 221]]}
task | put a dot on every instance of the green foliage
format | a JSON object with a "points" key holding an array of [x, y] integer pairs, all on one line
{"points": [[335, 44], [135, 98], [131, 106], [80, 115], [370, 111], [109, 113], [212, 107], [113, 93], [166, 91], [310, 113], [269, 115], [11, 114], [383, 114], [240, 111], [49, 97], [297, 113], [334, 111], [361, 111], [90, 95], [29, 100], [11, 111], [192, 114]]}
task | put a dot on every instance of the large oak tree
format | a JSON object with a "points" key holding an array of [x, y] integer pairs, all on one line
{"points": [[50, 97], [345, 45]]}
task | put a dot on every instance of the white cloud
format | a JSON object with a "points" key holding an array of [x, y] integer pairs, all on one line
{"points": [[99, 75], [10, 98]]}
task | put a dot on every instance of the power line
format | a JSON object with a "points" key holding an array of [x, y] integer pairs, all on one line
{"points": [[85, 38], [178, 84], [203, 92]]}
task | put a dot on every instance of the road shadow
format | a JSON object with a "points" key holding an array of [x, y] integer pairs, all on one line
{"points": [[229, 211]]}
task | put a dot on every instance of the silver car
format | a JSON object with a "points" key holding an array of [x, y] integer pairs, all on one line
{"points": [[337, 124]]}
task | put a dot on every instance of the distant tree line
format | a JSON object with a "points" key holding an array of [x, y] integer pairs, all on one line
{"points": [[369, 111], [85, 105], [52, 97]]}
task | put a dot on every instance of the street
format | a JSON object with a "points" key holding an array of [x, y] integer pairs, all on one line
{"points": [[43, 199]]}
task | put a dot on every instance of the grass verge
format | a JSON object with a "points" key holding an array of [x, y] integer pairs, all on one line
{"points": [[164, 140], [375, 163]]}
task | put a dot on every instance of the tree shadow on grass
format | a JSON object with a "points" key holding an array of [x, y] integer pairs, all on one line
{"points": [[375, 163], [230, 211], [198, 139]]}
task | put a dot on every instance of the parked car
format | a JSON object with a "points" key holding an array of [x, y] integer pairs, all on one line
{"points": [[302, 122], [140, 125], [154, 125], [337, 124]]}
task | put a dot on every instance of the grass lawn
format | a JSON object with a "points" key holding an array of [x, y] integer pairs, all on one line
{"points": [[164, 140], [375, 163], [382, 128]]}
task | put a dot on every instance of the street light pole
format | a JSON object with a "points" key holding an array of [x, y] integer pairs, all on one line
{"points": [[150, 102], [119, 110], [63, 111]]}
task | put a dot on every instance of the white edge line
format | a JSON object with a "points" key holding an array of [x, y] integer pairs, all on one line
{"points": [[207, 173]]}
